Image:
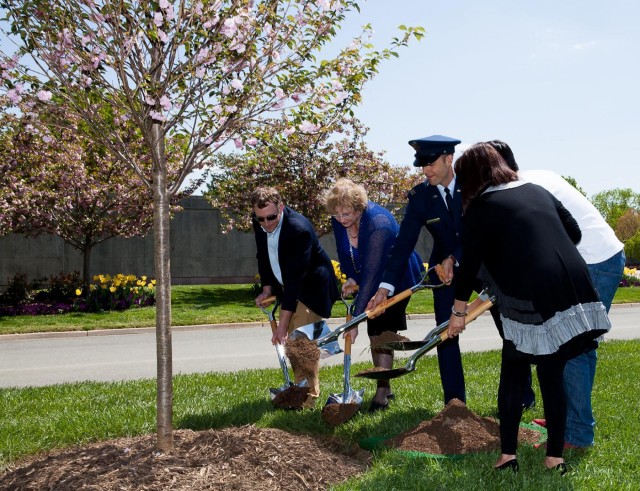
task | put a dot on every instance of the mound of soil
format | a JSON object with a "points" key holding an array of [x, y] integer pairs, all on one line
{"points": [[245, 458], [456, 430]]}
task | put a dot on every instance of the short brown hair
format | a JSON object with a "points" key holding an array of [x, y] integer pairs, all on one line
{"points": [[264, 196], [345, 193]]}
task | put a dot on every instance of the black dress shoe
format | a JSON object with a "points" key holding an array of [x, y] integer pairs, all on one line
{"points": [[391, 396], [561, 468], [376, 406], [509, 464]]}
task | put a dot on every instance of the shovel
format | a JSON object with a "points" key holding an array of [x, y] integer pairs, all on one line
{"points": [[289, 391], [424, 283], [414, 345], [349, 399], [439, 335]]}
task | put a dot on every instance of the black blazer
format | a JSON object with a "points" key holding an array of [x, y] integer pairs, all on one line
{"points": [[307, 271], [426, 208]]}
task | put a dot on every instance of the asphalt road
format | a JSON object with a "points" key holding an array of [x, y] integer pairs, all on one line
{"points": [[47, 359]]}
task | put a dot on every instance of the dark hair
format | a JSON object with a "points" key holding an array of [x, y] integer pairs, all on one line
{"points": [[264, 196], [506, 153], [479, 167]]}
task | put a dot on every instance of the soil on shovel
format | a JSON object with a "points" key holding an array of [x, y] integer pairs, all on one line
{"points": [[304, 355], [245, 458], [456, 430], [387, 337], [291, 398], [335, 414]]}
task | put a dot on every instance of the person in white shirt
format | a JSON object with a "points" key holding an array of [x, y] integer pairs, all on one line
{"points": [[604, 255]]}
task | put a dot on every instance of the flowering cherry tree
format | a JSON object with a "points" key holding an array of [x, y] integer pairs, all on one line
{"points": [[303, 168], [54, 179], [210, 71]]}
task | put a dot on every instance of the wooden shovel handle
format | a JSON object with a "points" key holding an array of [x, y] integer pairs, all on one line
{"points": [[268, 301], [392, 301], [347, 344]]}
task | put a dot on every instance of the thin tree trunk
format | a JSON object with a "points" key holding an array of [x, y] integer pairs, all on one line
{"points": [[164, 424], [86, 263]]}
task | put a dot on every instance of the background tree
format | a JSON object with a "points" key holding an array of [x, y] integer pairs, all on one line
{"points": [[574, 183], [57, 180], [210, 71], [303, 168], [614, 203]]}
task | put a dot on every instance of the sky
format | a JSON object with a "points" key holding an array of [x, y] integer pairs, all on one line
{"points": [[558, 81]]}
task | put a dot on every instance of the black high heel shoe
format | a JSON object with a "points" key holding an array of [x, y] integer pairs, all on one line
{"points": [[509, 464], [561, 468]]}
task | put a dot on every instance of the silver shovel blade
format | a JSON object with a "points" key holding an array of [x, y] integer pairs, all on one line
{"points": [[315, 331]]}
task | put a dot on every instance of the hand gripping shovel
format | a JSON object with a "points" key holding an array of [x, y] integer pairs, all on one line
{"points": [[424, 283], [439, 335], [340, 407], [414, 345], [289, 395]]}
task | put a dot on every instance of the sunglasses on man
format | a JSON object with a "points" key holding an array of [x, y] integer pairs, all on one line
{"points": [[268, 218]]}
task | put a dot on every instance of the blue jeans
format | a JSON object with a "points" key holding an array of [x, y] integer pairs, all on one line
{"points": [[580, 372]]}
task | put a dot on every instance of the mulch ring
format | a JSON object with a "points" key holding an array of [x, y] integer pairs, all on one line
{"points": [[244, 458]]}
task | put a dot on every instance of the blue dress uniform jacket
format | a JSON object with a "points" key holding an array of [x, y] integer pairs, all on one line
{"points": [[426, 208], [307, 271]]}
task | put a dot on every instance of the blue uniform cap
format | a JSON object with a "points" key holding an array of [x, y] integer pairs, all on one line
{"points": [[430, 148]]}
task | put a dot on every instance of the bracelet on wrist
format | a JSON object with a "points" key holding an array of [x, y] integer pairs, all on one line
{"points": [[458, 314]]}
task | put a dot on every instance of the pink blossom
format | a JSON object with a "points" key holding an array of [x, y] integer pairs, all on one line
{"points": [[197, 8], [164, 4], [231, 108], [280, 93], [289, 131], [163, 36], [308, 127], [238, 143], [252, 142], [229, 28], [157, 116], [14, 96], [150, 100], [200, 71], [339, 97], [158, 19], [217, 109], [324, 4], [165, 103], [237, 84], [44, 95], [296, 97]]}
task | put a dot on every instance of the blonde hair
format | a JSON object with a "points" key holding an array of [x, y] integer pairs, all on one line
{"points": [[345, 193]]}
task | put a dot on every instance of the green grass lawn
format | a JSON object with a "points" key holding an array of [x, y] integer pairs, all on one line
{"points": [[202, 304], [39, 419]]}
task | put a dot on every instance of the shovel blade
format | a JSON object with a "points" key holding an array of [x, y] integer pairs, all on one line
{"points": [[316, 331], [384, 374]]}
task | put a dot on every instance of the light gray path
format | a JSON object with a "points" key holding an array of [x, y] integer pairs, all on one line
{"points": [[37, 360]]}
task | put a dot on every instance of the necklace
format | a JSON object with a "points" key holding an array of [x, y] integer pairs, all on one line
{"points": [[353, 236], [353, 260]]}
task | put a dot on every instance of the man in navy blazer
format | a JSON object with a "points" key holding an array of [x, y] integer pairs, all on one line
{"points": [[430, 207], [293, 266]]}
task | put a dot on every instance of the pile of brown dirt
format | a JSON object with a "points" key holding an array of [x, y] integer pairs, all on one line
{"points": [[456, 430], [291, 398], [246, 458], [335, 414]]}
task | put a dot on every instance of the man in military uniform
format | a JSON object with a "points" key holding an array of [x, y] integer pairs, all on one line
{"points": [[437, 205]]}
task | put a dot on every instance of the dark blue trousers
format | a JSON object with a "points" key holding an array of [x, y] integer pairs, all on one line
{"points": [[449, 358]]}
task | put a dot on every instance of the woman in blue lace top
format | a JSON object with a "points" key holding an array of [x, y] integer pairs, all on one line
{"points": [[364, 233]]}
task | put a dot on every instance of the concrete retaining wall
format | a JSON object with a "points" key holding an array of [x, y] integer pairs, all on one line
{"points": [[200, 252]]}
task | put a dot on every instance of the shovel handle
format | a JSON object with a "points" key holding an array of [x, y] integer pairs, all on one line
{"points": [[347, 344], [480, 309], [392, 301], [268, 301]]}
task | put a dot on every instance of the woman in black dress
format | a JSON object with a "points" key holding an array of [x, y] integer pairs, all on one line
{"points": [[521, 241]]}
